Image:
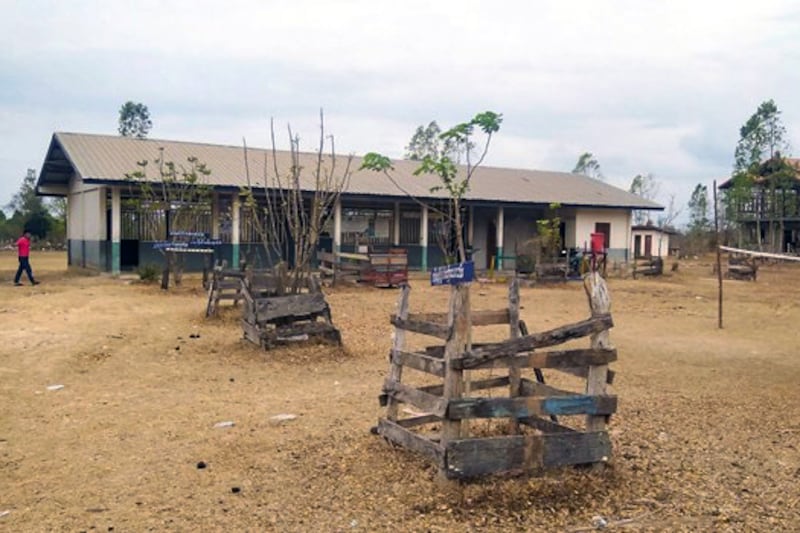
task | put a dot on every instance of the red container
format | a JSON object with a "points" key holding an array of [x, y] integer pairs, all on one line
{"points": [[598, 243]]}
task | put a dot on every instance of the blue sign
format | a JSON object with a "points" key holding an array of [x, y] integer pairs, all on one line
{"points": [[453, 274]]}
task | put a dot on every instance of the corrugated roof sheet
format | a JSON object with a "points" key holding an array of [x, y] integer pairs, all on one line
{"points": [[110, 157]]}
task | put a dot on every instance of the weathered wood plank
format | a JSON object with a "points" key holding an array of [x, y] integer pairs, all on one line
{"points": [[295, 305], [574, 404], [552, 359], [597, 376], [514, 369], [418, 421], [398, 345], [418, 361], [536, 340], [471, 458], [458, 322], [411, 441], [422, 400], [479, 318], [483, 384], [417, 326]]}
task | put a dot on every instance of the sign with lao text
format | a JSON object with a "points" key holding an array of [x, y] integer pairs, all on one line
{"points": [[453, 274]]}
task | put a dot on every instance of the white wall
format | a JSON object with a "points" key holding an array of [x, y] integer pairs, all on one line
{"points": [[655, 235], [619, 219], [86, 211]]}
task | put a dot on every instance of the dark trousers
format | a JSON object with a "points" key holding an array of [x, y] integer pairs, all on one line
{"points": [[24, 266]]}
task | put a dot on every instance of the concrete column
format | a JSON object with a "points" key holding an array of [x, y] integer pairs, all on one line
{"points": [[423, 237], [396, 239], [235, 207], [337, 227], [215, 215], [116, 230], [500, 230]]}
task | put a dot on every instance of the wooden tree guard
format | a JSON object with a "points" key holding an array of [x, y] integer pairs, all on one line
{"points": [[270, 317], [225, 284], [535, 439]]}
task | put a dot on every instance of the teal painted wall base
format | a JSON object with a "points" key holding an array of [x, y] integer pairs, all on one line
{"points": [[235, 256], [115, 257]]}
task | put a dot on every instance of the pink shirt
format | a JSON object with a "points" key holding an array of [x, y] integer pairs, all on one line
{"points": [[24, 246]]}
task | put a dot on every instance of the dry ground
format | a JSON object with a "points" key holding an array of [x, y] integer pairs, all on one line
{"points": [[706, 437]]}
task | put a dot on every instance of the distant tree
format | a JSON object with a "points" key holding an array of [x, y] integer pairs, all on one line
{"points": [[698, 234], [761, 138], [134, 120], [29, 209], [454, 181], [178, 195], [645, 186], [428, 142], [588, 166]]}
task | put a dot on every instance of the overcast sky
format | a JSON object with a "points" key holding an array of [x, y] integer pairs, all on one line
{"points": [[647, 86]]}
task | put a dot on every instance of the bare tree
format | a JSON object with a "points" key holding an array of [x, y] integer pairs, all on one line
{"points": [[174, 204], [294, 200]]}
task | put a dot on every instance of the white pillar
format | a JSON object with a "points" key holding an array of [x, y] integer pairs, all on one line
{"points": [[337, 227], [235, 204], [500, 232], [396, 239], [116, 229], [423, 237]]}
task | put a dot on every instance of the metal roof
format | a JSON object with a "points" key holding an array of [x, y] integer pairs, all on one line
{"points": [[108, 158]]}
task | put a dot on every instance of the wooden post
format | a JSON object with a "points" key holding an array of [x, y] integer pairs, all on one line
{"points": [[456, 343], [600, 304], [398, 345], [514, 372], [719, 260]]}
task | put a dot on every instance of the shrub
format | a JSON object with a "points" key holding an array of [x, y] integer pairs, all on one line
{"points": [[148, 273]]}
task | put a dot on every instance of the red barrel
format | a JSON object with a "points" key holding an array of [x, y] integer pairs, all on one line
{"points": [[598, 243]]}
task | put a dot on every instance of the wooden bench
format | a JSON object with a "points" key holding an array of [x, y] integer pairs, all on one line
{"points": [[650, 266], [742, 269]]}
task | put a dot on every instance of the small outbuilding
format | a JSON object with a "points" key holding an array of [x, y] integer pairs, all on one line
{"points": [[650, 241]]}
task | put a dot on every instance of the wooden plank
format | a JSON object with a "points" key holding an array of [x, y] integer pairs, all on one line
{"points": [[418, 361], [411, 441], [514, 369], [352, 256], [583, 372], [483, 384], [251, 332], [295, 305], [428, 403], [418, 421], [537, 340], [458, 320], [471, 458], [418, 326], [552, 359], [599, 304], [574, 404], [398, 345], [479, 318]]}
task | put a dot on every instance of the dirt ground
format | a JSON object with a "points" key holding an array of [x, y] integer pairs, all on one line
{"points": [[706, 437]]}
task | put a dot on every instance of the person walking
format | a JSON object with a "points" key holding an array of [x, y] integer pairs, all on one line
{"points": [[24, 252]]}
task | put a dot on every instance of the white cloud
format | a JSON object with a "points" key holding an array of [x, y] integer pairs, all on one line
{"points": [[647, 86]]}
